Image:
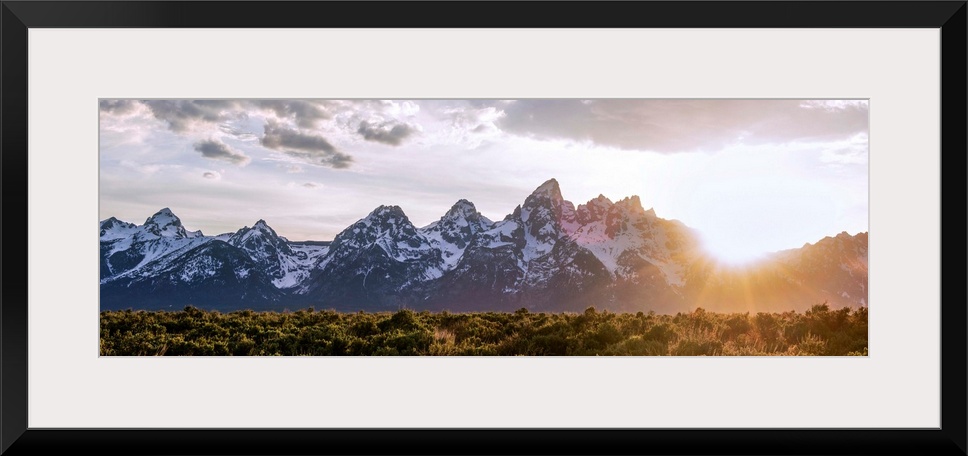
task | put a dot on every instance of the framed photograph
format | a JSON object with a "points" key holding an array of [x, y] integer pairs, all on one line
{"points": [[702, 190]]}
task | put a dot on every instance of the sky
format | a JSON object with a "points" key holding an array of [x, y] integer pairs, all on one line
{"points": [[751, 176]]}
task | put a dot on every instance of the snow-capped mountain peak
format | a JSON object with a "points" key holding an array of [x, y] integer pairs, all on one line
{"points": [[543, 216], [165, 223], [284, 265], [113, 228], [259, 233], [261, 225], [549, 189], [386, 227], [454, 231], [462, 209], [387, 213], [163, 217], [260, 228]]}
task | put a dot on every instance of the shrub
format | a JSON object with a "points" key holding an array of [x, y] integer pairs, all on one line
{"points": [[192, 332]]}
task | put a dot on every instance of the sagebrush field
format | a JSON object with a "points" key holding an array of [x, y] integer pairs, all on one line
{"points": [[819, 331]]}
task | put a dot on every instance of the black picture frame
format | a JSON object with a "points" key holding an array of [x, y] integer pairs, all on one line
{"points": [[18, 16]]}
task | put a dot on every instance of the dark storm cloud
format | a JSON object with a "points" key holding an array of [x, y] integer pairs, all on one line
{"points": [[684, 125], [182, 115], [305, 113], [117, 106], [310, 148], [218, 150], [385, 133]]}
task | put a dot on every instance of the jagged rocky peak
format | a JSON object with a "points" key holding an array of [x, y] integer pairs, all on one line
{"points": [[593, 210], [112, 223], [382, 221], [259, 229], [844, 235], [545, 201], [166, 224], [633, 205], [261, 225], [264, 227], [113, 228], [108, 223], [462, 213], [387, 213], [841, 238], [462, 208], [845, 240], [163, 217], [454, 231], [549, 189]]}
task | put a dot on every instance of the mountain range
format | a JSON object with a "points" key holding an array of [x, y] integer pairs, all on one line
{"points": [[547, 255]]}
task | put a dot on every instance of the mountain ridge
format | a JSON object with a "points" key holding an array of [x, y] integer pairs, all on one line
{"points": [[548, 254]]}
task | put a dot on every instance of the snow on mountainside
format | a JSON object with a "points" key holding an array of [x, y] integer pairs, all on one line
{"points": [[388, 229], [165, 224], [113, 229], [609, 230], [541, 218], [128, 250], [373, 262], [453, 232], [547, 253], [126, 247], [287, 266], [212, 275]]}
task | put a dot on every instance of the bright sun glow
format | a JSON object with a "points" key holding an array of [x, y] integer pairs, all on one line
{"points": [[735, 251]]}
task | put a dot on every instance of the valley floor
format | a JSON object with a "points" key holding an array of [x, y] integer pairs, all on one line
{"points": [[819, 331]]}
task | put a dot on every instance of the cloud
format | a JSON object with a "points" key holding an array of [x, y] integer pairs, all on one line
{"points": [[294, 169], [684, 125], [307, 147], [475, 119], [211, 175], [218, 150], [118, 107], [311, 185], [187, 115], [305, 113], [404, 108], [469, 122], [385, 132]]}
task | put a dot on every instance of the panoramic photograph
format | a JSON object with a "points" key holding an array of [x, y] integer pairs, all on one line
{"points": [[483, 227]]}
